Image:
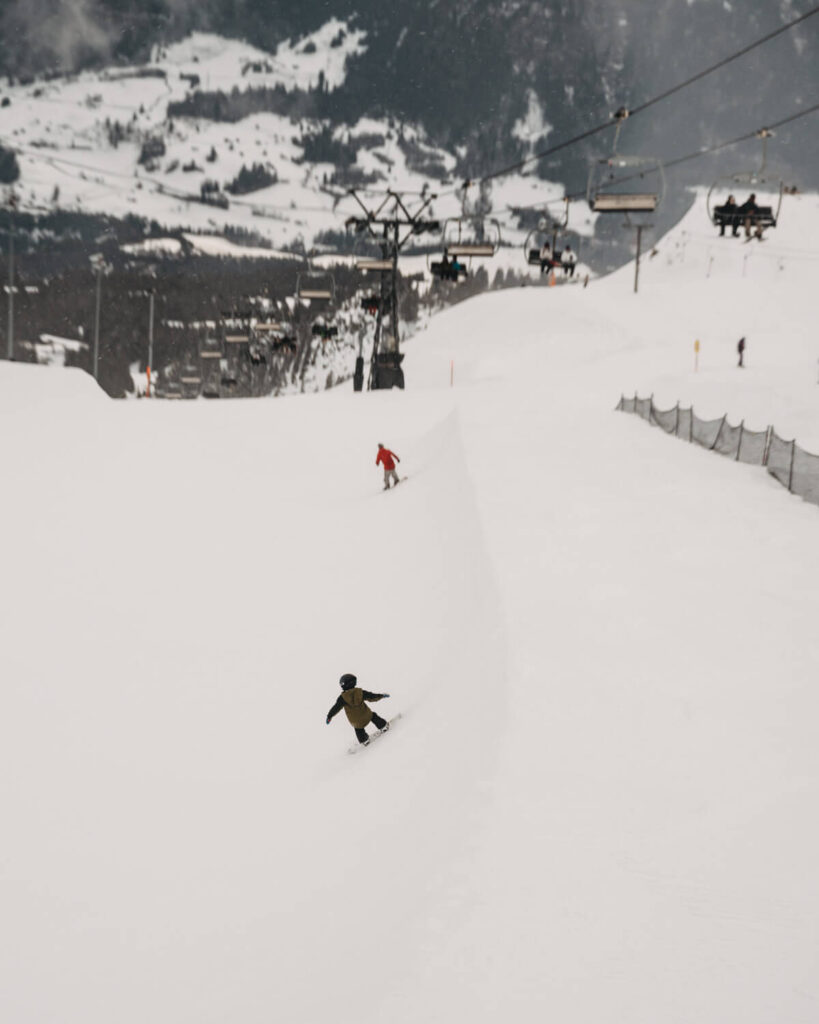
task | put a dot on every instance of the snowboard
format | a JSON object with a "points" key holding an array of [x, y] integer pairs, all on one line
{"points": [[401, 479], [373, 736]]}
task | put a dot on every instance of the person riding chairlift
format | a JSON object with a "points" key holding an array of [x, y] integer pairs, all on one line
{"points": [[545, 256], [748, 214], [728, 215]]}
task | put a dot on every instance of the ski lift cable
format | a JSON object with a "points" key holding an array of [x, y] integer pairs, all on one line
{"points": [[684, 159], [617, 118], [726, 60]]}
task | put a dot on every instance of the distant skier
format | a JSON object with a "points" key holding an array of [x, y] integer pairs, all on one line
{"points": [[359, 715], [741, 351], [387, 459]]}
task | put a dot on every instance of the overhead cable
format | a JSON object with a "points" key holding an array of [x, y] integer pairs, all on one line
{"points": [[644, 106]]}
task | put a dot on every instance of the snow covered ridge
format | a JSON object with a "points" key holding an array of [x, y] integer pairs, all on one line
{"points": [[105, 143], [218, 63]]}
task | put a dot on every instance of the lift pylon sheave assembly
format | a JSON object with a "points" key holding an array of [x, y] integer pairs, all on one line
{"points": [[757, 178], [391, 224], [608, 190]]}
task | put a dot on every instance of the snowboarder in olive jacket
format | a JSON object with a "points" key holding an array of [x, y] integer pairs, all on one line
{"points": [[359, 715]]}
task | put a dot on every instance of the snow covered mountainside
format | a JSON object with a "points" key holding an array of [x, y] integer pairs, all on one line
{"points": [[597, 803], [110, 142]]}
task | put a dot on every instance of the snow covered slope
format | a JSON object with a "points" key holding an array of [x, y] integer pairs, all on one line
{"points": [[109, 142], [598, 802]]}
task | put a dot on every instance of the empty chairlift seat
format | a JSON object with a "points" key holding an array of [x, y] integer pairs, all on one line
{"points": [[635, 202]]}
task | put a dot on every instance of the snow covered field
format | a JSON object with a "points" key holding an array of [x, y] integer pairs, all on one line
{"points": [[599, 805], [79, 140]]}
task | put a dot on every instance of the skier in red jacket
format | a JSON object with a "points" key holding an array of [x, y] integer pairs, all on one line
{"points": [[388, 460]]}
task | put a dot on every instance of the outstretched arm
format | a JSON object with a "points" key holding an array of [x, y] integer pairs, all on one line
{"points": [[374, 696], [334, 710]]}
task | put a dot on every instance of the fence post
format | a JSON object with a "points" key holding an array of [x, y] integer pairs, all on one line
{"points": [[677, 420], [719, 432], [790, 471], [691, 426], [766, 451], [651, 407], [739, 442]]}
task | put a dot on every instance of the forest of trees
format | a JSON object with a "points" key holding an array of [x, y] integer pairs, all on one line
{"points": [[56, 293], [9, 168]]}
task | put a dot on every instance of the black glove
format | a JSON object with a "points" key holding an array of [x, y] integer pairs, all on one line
{"points": [[385, 695], [327, 720]]}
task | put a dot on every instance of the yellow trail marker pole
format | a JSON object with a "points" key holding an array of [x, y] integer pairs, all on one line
{"points": [[696, 355]]}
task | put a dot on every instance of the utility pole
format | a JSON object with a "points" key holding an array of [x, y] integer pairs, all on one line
{"points": [[150, 339], [639, 228], [97, 323], [385, 367], [10, 332], [637, 261]]}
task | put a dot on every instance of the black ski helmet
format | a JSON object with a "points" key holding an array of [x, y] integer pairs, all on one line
{"points": [[347, 681]]}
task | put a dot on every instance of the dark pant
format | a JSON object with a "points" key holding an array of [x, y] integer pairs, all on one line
{"points": [[377, 721]]}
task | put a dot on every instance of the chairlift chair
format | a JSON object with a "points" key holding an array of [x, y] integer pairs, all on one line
{"points": [[758, 178], [464, 238], [257, 349], [191, 382], [481, 242], [447, 268], [547, 230], [321, 329], [315, 286], [210, 349], [279, 336], [602, 192], [374, 265]]}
